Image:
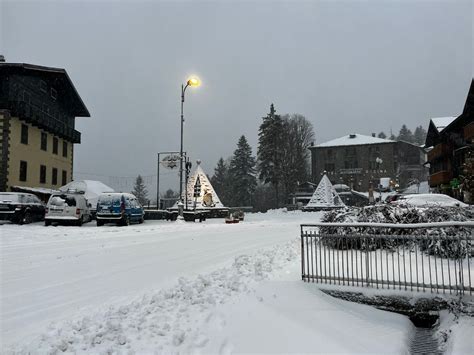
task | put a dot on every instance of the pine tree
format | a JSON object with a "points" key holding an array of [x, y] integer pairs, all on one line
{"points": [[405, 135], [270, 151], [242, 172], [140, 191], [382, 135], [419, 136], [220, 182]]}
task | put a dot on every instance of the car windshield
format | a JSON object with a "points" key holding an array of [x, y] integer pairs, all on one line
{"points": [[109, 200], [11, 198], [62, 200]]}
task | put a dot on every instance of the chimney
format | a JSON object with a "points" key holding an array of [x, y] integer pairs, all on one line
{"points": [[2, 59], [352, 135], [373, 134]]}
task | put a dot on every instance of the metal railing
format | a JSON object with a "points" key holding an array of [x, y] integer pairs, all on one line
{"points": [[418, 257]]}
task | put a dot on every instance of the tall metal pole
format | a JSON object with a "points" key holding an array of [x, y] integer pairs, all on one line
{"points": [[181, 148], [158, 184]]}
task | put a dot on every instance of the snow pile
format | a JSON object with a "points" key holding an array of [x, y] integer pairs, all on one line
{"points": [[168, 320], [92, 189], [405, 215], [426, 200]]}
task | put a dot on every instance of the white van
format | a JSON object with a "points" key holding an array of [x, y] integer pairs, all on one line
{"points": [[67, 208]]}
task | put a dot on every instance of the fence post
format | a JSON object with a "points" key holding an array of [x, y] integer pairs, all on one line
{"points": [[302, 255]]}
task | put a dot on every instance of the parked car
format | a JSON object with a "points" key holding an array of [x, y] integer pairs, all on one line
{"points": [[426, 200], [21, 207], [119, 208], [67, 208]]}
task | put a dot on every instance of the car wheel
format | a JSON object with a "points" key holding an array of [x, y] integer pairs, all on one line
{"points": [[27, 218], [141, 220], [47, 223], [79, 222], [100, 223]]}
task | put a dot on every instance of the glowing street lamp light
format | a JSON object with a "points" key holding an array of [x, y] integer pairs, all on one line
{"points": [[193, 81]]}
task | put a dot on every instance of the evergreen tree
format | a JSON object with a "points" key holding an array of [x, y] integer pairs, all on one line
{"points": [[171, 194], [242, 173], [382, 135], [140, 191], [419, 136], [270, 151], [405, 135], [220, 182]]}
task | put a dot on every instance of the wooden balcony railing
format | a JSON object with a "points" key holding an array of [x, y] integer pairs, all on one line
{"points": [[469, 131], [440, 177], [44, 120], [439, 150]]}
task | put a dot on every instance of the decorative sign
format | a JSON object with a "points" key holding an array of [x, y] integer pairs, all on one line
{"points": [[170, 161], [350, 171]]}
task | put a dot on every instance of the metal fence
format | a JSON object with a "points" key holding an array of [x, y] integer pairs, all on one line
{"points": [[434, 257]]}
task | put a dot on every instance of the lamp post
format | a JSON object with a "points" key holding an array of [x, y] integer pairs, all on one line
{"points": [[192, 81], [379, 162]]}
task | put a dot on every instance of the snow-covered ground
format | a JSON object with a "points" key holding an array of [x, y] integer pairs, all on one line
{"points": [[177, 287]]}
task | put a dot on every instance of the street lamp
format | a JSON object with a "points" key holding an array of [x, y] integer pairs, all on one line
{"points": [[379, 162], [194, 82]]}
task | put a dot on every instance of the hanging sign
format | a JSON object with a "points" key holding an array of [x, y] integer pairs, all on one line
{"points": [[170, 161]]}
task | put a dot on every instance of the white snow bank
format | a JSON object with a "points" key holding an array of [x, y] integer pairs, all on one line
{"points": [[421, 200], [230, 310], [456, 332]]}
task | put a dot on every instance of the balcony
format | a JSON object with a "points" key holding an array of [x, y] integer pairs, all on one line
{"points": [[440, 177], [34, 115], [440, 150], [469, 132]]}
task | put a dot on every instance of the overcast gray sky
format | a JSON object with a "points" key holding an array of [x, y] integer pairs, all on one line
{"points": [[348, 66]]}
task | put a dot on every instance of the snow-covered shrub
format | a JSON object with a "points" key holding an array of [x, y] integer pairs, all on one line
{"points": [[435, 242]]}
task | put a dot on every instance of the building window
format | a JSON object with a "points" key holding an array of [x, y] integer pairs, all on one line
{"points": [[23, 170], [329, 167], [24, 134], [65, 149], [55, 145], [42, 174], [44, 141], [54, 176], [43, 86], [54, 94], [64, 180], [45, 108]]}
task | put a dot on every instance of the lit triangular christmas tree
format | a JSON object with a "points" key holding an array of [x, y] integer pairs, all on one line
{"points": [[205, 197], [325, 196]]}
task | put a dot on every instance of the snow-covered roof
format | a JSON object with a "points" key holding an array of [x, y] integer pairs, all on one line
{"points": [[442, 122], [92, 189], [354, 139], [41, 190]]}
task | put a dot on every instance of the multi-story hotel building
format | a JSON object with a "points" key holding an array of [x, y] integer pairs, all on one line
{"points": [[38, 107]]}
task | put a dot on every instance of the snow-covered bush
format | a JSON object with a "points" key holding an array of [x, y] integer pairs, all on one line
{"points": [[435, 242]]}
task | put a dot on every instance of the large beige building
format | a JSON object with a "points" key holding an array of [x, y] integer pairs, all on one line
{"points": [[38, 107]]}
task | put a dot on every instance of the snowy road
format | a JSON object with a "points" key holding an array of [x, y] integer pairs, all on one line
{"points": [[56, 274]]}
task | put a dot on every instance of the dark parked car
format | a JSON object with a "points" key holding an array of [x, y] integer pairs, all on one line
{"points": [[20, 207]]}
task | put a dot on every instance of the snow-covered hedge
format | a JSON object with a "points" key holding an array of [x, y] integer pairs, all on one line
{"points": [[434, 243]]}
